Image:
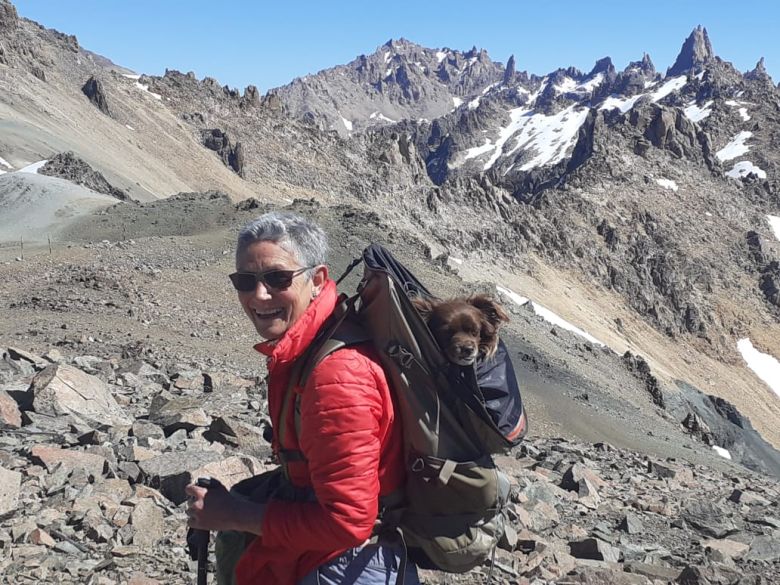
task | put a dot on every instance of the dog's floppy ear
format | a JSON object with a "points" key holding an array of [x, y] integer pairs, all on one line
{"points": [[494, 312], [424, 307]]}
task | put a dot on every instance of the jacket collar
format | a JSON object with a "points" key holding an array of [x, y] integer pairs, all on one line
{"points": [[301, 333]]}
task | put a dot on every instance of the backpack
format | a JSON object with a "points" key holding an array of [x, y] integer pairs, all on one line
{"points": [[454, 418]]}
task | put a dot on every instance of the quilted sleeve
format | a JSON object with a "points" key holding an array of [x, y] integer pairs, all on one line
{"points": [[341, 410]]}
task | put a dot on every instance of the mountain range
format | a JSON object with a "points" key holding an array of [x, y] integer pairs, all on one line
{"points": [[630, 219]]}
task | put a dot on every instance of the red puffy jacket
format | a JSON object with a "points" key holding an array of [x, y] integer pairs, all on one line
{"points": [[352, 444]]}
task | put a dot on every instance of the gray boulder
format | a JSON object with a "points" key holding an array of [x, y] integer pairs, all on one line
{"points": [[66, 165], [62, 390], [93, 89], [171, 472]]}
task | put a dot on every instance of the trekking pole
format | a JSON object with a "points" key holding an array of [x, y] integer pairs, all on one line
{"points": [[198, 540]]}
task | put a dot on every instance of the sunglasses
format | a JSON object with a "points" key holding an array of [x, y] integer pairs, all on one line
{"points": [[273, 279]]}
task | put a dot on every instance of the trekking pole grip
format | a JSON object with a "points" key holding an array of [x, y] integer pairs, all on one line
{"points": [[203, 537]]}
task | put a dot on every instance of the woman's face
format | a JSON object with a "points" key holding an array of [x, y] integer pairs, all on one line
{"points": [[273, 311]]}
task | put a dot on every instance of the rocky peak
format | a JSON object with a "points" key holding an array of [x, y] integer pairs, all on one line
{"points": [[759, 73], [695, 53], [646, 65], [509, 72], [603, 66], [8, 16]]}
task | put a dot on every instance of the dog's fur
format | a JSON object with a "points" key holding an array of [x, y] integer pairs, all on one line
{"points": [[465, 328]]}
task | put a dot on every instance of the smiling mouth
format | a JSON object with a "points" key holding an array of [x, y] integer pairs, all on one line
{"points": [[269, 314]]}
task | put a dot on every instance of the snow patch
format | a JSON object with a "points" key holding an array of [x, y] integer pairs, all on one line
{"points": [[592, 84], [625, 104], [131, 76], [513, 296], [33, 168], [763, 365], [3, 172], [774, 223], [517, 119], [473, 104], [566, 86], [551, 317], [456, 260], [674, 84], [388, 56], [549, 136], [735, 148], [622, 104], [478, 150], [696, 113], [440, 56], [742, 111], [347, 124], [456, 101], [547, 314], [743, 168], [667, 184], [145, 89], [722, 452], [5, 163], [380, 116]]}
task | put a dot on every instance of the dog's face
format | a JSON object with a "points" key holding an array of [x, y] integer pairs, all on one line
{"points": [[465, 328]]}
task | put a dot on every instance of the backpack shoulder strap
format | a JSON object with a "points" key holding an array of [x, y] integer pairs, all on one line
{"points": [[347, 331], [341, 330]]}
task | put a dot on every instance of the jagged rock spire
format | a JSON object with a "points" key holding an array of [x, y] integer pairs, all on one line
{"points": [[695, 53], [646, 65], [759, 72], [509, 72]]}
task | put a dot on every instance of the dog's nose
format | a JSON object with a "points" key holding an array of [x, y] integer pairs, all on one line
{"points": [[466, 350]]}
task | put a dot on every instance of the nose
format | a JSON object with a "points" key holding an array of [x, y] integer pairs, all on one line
{"points": [[261, 293], [466, 349]]}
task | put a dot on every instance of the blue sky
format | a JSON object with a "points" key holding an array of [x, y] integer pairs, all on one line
{"points": [[268, 44]]}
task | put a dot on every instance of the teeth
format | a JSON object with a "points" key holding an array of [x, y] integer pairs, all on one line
{"points": [[267, 313]]}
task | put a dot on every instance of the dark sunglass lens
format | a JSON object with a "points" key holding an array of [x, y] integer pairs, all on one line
{"points": [[243, 282], [279, 279]]}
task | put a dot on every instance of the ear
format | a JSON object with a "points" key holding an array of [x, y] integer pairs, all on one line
{"points": [[494, 312], [318, 279], [424, 307]]}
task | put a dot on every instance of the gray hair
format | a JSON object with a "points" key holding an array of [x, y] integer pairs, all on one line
{"points": [[302, 238]]}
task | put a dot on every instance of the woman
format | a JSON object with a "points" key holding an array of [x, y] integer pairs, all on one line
{"points": [[348, 433]]}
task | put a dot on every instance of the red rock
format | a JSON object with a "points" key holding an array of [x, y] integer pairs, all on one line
{"points": [[52, 455], [9, 411]]}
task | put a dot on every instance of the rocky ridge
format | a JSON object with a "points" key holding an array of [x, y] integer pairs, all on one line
{"points": [[623, 184], [95, 462], [70, 167]]}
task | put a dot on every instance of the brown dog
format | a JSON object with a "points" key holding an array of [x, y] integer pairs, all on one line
{"points": [[465, 328]]}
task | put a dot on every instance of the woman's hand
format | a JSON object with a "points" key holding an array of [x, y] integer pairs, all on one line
{"points": [[216, 509]]}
